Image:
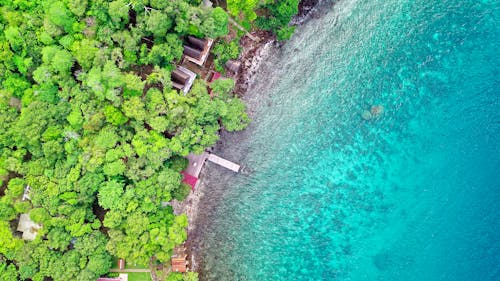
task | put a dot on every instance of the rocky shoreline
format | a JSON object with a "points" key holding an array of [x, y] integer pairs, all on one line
{"points": [[253, 53]]}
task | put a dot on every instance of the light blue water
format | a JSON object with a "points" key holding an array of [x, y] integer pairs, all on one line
{"points": [[327, 195]]}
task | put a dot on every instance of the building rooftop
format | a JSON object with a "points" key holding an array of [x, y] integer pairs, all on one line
{"points": [[179, 264], [189, 179], [182, 79], [28, 227], [197, 50], [196, 163]]}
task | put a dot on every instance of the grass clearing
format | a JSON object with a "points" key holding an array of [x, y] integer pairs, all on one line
{"points": [[139, 276]]}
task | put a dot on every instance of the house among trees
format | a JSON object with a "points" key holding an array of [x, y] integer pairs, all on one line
{"points": [[179, 262], [196, 162], [197, 50], [28, 227], [213, 75], [189, 180], [192, 172], [182, 79]]}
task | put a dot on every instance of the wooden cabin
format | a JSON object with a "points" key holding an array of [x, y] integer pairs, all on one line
{"points": [[182, 79]]}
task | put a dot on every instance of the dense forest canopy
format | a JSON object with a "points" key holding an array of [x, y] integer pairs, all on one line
{"points": [[92, 131], [275, 15]]}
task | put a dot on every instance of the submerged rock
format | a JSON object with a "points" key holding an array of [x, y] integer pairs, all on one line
{"points": [[366, 115], [374, 112], [377, 110]]}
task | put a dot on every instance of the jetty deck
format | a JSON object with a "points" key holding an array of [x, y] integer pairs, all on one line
{"points": [[223, 162]]}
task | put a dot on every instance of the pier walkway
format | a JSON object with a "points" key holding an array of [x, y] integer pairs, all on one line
{"points": [[223, 162]]}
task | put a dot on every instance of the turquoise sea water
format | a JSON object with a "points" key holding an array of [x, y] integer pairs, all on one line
{"points": [[327, 195]]}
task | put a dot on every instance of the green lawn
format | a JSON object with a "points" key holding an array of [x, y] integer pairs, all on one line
{"points": [[139, 276], [134, 276]]}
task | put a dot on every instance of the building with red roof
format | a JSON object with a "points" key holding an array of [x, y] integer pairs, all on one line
{"points": [[213, 76], [189, 179]]}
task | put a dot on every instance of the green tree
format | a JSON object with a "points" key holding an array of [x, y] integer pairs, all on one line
{"points": [[244, 8], [114, 115], [62, 61], [59, 15], [8, 243], [118, 11], [8, 272], [174, 276], [77, 7], [181, 192], [134, 108], [158, 23], [222, 86], [110, 195], [223, 52], [278, 18], [84, 51], [190, 276], [233, 115], [133, 85], [221, 20]]}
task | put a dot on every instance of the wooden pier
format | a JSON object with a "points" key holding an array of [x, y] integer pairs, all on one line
{"points": [[223, 162]]}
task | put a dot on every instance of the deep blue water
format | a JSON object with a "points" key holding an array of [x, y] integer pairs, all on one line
{"points": [[412, 194]]}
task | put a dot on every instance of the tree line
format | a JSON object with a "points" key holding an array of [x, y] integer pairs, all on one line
{"points": [[90, 122]]}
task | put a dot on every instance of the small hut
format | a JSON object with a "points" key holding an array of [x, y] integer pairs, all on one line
{"points": [[121, 264], [197, 50], [233, 66]]}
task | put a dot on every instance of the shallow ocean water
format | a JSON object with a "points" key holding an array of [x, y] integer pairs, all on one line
{"points": [[413, 194]]}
